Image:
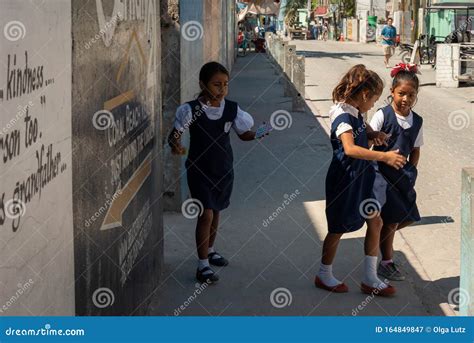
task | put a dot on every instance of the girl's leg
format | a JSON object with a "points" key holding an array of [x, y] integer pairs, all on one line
{"points": [[387, 267], [372, 237], [214, 226], [325, 270], [387, 236], [371, 247], [330, 245], [203, 230]]}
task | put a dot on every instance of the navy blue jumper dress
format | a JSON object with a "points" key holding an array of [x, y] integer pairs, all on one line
{"points": [[400, 204], [349, 181], [209, 166]]}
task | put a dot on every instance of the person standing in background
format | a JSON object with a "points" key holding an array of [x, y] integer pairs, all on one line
{"points": [[389, 34]]}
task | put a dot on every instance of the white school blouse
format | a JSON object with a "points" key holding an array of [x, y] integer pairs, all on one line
{"points": [[243, 122], [405, 122], [338, 109]]}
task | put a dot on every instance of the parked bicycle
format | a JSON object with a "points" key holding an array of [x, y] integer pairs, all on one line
{"points": [[426, 50]]}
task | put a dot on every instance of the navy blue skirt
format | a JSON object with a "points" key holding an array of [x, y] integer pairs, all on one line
{"points": [[399, 193]]}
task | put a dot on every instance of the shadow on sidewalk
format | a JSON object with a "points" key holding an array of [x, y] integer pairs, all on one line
{"points": [[338, 55], [272, 231]]}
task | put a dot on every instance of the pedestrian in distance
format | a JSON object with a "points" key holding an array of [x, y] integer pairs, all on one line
{"points": [[209, 164], [351, 177], [405, 128], [325, 31], [389, 35]]}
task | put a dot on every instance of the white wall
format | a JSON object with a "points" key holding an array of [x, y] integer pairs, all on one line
{"points": [[36, 246]]}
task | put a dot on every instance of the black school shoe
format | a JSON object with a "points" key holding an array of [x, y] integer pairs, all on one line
{"points": [[208, 277], [217, 260]]}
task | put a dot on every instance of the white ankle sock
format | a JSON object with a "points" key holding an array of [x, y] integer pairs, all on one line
{"points": [[325, 274], [210, 250], [385, 262], [370, 273], [203, 264]]}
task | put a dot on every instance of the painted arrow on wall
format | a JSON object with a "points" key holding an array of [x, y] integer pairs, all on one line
{"points": [[113, 218]]}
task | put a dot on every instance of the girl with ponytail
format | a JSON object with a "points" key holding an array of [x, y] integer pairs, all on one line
{"points": [[350, 199]]}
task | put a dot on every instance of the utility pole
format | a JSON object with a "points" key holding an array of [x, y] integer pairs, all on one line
{"points": [[415, 5], [402, 24]]}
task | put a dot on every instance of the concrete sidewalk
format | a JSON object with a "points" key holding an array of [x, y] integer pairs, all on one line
{"points": [[433, 245], [272, 264]]}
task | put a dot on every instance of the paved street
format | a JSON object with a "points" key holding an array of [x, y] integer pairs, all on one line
{"points": [[281, 256], [434, 244]]}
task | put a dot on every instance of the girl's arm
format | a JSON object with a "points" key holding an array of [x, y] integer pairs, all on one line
{"points": [[414, 156], [392, 158], [174, 141]]}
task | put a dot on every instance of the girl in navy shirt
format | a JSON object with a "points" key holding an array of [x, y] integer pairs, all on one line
{"points": [[351, 177], [406, 134], [209, 166]]}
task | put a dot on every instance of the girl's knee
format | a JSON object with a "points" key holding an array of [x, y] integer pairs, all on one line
{"points": [[375, 223], [206, 215]]}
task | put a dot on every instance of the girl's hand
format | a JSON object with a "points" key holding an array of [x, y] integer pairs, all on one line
{"points": [[178, 149], [394, 159], [378, 137]]}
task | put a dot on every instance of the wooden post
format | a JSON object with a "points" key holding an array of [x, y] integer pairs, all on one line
{"points": [[466, 289]]}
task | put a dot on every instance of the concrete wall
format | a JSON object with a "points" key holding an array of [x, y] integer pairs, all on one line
{"points": [[171, 90], [352, 30], [81, 172], [117, 135], [36, 250], [466, 291], [374, 7], [402, 21]]}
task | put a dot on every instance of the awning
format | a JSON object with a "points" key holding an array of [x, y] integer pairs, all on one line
{"points": [[264, 7], [321, 11]]}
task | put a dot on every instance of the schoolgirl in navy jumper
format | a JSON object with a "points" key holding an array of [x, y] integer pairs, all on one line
{"points": [[209, 165], [351, 177], [406, 134]]}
